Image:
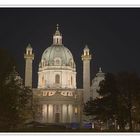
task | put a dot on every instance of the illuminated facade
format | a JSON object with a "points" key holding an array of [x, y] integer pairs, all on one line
{"points": [[95, 83], [57, 99], [29, 57], [57, 67], [86, 57]]}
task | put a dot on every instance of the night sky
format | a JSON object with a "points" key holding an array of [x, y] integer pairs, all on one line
{"points": [[113, 36]]}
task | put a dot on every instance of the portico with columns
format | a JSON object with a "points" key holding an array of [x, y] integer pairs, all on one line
{"points": [[57, 107]]}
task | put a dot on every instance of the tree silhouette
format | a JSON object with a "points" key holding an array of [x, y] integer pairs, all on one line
{"points": [[119, 99], [14, 97]]}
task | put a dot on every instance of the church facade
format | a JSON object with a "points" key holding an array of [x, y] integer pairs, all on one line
{"points": [[57, 98]]}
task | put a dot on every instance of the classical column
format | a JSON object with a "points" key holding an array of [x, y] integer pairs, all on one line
{"points": [[29, 57], [65, 113], [44, 112], [86, 57], [70, 112], [50, 113]]}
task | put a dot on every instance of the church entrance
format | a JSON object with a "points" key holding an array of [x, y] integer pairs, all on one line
{"points": [[57, 117]]}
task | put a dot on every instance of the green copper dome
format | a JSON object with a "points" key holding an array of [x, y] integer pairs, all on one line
{"points": [[58, 53]]}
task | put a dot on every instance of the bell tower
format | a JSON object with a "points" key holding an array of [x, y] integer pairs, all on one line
{"points": [[29, 57], [86, 57]]}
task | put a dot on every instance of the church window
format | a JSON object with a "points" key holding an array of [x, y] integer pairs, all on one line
{"points": [[43, 81], [28, 51], [57, 79], [57, 62], [71, 80]]}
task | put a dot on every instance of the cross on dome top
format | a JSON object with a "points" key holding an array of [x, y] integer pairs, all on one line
{"points": [[57, 38], [57, 26], [57, 32]]}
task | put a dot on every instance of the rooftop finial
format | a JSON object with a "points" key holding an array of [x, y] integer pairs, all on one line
{"points": [[57, 26], [86, 46], [29, 45], [57, 32]]}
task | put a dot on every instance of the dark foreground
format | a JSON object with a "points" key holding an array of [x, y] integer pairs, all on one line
{"points": [[51, 128], [61, 129]]}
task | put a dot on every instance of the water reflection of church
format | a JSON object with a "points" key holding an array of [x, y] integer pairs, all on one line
{"points": [[57, 99]]}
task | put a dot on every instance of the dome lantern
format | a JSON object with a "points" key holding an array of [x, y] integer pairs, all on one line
{"points": [[100, 69], [57, 37]]}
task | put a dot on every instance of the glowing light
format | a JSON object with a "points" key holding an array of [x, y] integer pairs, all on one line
{"points": [[64, 113]]}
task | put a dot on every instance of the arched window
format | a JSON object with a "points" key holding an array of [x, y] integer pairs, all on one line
{"points": [[43, 81], [57, 40], [57, 79], [57, 62], [28, 51], [71, 80]]}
